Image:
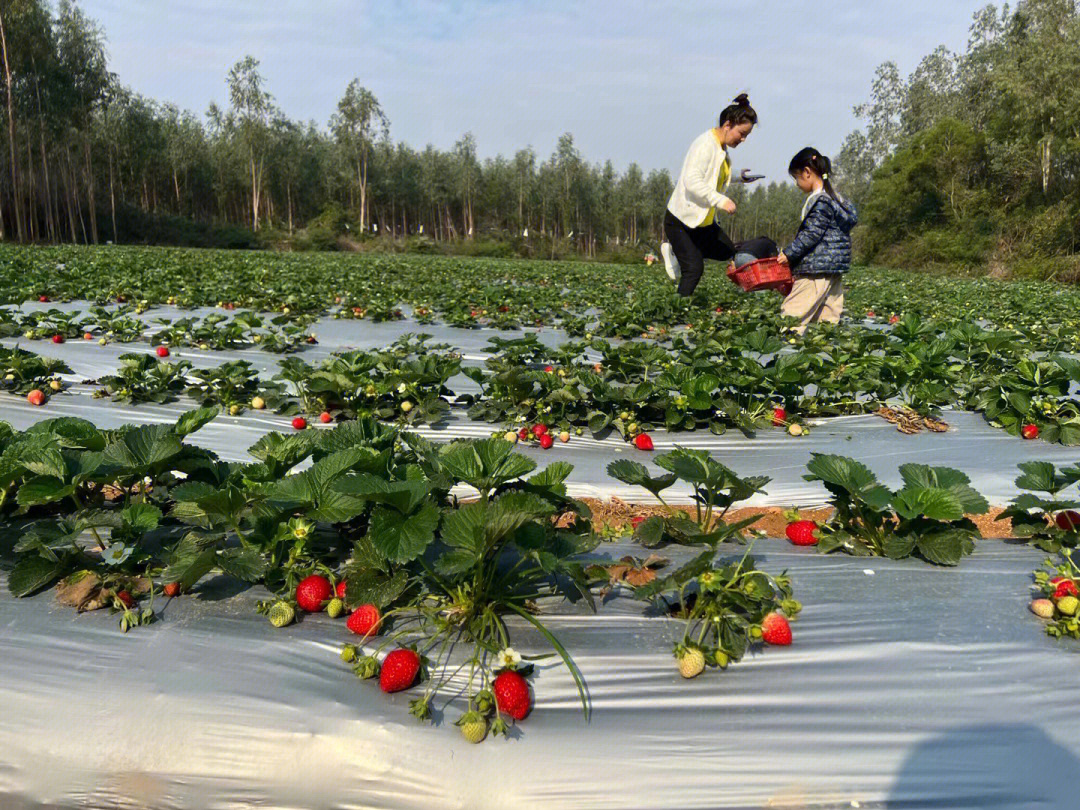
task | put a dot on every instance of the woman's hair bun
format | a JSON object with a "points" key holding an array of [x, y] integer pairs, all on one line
{"points": [[742, 100]]}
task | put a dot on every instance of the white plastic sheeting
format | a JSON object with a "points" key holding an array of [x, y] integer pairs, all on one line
{"points": [[907, 686]]}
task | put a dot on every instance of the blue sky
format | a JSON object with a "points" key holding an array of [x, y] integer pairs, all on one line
{"points": [[632, 80]]}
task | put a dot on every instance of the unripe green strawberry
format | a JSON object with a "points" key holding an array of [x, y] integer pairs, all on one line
{"points": [[348, 653], [1043, 608], [691, 661], [1067, 605], [335, 608], [484, 702], [281, 614], [721, 659], [474, 726]]}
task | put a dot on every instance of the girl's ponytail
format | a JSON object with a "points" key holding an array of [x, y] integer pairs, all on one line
{"points": [[812, 159]]}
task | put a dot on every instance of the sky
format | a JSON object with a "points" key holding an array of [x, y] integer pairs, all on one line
{"points": [[632, 81]]}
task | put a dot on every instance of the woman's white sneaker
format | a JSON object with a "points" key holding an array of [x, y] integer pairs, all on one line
{"points": [[671, 264]]}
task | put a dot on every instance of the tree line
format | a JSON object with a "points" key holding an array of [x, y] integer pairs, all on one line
{"points": [[88, 160], [974, 159]]}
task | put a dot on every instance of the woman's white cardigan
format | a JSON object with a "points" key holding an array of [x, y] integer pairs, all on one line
{"points": [[696, 191]]}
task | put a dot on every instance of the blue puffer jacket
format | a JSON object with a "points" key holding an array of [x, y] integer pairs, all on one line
{"points": [[823, 244]]}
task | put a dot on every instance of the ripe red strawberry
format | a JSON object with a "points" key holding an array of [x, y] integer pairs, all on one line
{"points": [[325, 417], [894, 319], [43, 299], [399, 670], [779, 416], [512, 694], [637, 520], [539, 430], [523, 434], [162, 351], [57, 338], [546, 441], [365, 620], [126, 598], [1065, 587], [299, 423], [549, 369], [87, 336], [171, 588], [775, 630], [339, 591], [870, 314], [1030, 431], [801, 533], [312, 592], [504, 309], [1068, 521], [36, 397], [643, 441]]}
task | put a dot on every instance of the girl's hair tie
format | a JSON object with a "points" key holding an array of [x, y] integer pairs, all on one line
{"points": [[825, 176]]}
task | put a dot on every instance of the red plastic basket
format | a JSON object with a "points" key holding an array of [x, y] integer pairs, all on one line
{"points": [[763, 274]]}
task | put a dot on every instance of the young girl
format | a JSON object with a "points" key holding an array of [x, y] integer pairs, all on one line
{"points": [[821, 252], [690, 226]]}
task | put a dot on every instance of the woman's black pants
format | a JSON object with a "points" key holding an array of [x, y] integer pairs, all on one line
{"points": [[692, 246]]}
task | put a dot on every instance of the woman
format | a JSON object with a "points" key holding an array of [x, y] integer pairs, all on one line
{"points": [[690, 226]]}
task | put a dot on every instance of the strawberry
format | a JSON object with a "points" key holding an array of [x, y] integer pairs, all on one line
{"points": [[795, 429], [299, 423], [523, 434], [546, 441], [171, 588], [779, 416], [339, 591], [564, 437], [334, 608], [1068, 521], [511, 437], [36, 397], [801, 533], [549, 369], [894, 319], [691, 661], [474, 726], [1030, 431], [258, 403], [365, 620], [399, 670], [281, 614], [126, 598], [162, 351], [57, 338], [312, 592], [1068, 605], [325, 417], [775, 630], [87, 336], [1065, 587], [512, 694], [539, 430], [643, 441], [637, 520], [44, 299], [1043, 608], [406, 406], [870, 314]]}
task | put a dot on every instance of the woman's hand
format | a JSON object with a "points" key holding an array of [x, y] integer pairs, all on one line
{"points": [[727, 206], [782, 259]]}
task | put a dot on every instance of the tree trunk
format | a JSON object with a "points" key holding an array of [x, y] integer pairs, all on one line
{"points": [[288, 196], [20, 233], [90, 191], [112, 197]]}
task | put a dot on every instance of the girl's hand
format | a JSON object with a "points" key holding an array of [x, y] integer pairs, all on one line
{"points": [[727, 206], [782, 259]]}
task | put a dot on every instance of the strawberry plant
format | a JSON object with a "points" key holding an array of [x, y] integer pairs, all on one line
{"points": [[144, 378], [22, 372], [1056, 594], [1046, 521], [235, 385], [927, 517]]}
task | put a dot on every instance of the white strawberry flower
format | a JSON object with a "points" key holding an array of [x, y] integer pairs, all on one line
{"points": [[507, 658], [401, 388]]}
